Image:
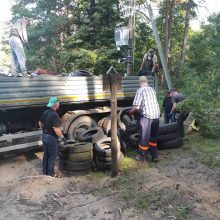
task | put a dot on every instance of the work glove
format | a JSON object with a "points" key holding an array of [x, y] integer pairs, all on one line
{"points": [[62, 139]]}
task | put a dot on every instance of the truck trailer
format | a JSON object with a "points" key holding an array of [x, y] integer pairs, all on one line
{"points": [[83, 104]]}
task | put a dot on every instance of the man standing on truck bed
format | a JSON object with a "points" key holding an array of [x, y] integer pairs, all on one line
{"points": [[50, 123], [18, 39], [149, 64]]}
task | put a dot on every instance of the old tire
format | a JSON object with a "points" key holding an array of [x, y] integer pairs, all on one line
{"points": [[75, 166], [131, 125], [103, 147], [91, 135], [106, 126], [79, 147], [108, 164], [79, 125], [171, 144], [134, 140], [100, 122], [168, 128]]}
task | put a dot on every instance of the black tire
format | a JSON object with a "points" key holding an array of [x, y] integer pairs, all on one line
{"points": [[106, 126], [107, 165], [103, 147], [168, 128], [134, 140], [80, 156], [168, 137], [103, 166], [79, 125], [91, 135], [79, 147], [171, 144], [62, 155], [131, 125], [75, 166]]}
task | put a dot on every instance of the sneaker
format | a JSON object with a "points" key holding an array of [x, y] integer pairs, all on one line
{"points": [[154, 160], [140, 157]]}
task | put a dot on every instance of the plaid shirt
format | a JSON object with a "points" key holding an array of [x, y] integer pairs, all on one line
{"points": [[146, 100]]}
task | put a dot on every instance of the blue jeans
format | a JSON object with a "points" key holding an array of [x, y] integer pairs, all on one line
{"points": [[50, 153], [167, 117]]}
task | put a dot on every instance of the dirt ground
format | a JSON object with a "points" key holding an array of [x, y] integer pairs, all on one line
{"points": [[178, 187]]}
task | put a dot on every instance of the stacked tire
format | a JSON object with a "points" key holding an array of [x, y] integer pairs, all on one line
{"points": [[169, 136], [103, 156], [76, 158]]}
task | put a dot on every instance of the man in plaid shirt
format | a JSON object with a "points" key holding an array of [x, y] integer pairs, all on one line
{"points": [[145, 102]]}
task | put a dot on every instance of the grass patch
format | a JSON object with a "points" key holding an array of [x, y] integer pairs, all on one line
{"points": [[208, 150]]}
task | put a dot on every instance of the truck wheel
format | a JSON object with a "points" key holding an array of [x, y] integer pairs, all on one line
{"points": [[91, 135], [79, 125]]}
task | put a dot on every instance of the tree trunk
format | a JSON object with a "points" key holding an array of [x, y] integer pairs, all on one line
{"points": [[186, 31], [169, 7]]}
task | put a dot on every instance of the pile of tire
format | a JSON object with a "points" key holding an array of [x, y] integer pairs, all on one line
{"points": [[103, 156], [170, 136], [76, 158]]}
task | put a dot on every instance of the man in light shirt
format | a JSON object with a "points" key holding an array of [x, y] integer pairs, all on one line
{"points": [[18, 39], [145, 102]]}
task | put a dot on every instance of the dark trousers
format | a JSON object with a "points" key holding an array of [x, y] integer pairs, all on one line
{"points": [[167, 117], [148, 135], [173, 117], [50, 145]]}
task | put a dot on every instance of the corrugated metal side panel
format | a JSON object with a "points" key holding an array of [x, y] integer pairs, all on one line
{"points": [[15, 92]]}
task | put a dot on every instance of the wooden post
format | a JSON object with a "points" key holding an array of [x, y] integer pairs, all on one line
{"points": [[114, 138]]}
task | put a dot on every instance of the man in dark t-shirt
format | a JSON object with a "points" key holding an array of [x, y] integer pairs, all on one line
{"points": [[50, 123], [176, 98], [167, 106]]}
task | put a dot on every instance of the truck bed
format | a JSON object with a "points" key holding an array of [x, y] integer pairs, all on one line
{"points": [[23, 92]]}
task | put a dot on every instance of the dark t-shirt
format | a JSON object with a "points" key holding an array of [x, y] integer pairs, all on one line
{"points": [[50, 119], [167, 104], [178, 98]]}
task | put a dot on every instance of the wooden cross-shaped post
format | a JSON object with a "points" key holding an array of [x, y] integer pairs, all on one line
{"points": [[114, 82]]}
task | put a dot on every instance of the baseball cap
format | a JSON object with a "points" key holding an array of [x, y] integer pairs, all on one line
{"points": [[52, 101]]}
